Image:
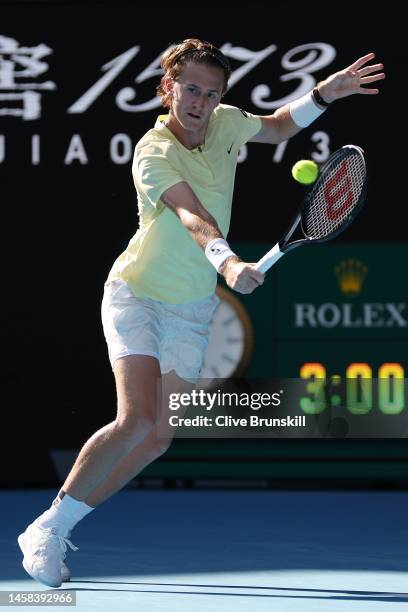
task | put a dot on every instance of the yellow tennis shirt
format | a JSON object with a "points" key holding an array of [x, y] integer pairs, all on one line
{"points": [[162, 261]]}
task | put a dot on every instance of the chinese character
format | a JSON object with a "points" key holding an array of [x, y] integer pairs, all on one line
{"points": [[18, 63]]}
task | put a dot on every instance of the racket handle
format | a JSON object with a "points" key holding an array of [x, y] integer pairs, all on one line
{"points": [[269, 259]]}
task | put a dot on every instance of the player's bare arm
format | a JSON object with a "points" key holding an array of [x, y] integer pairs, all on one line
{"points": [[203, 228], [181, 199]]}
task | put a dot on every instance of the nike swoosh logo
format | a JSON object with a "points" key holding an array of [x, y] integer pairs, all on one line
{"points": [[229, 150]]}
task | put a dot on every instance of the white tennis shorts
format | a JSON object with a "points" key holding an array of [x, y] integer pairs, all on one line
{"points": [[176, 334]]}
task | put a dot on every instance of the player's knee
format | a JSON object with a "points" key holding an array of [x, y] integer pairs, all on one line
{"points": [[136, 425]]}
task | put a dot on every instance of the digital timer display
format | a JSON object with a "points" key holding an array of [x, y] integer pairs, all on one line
{"points": [[358, 391]]}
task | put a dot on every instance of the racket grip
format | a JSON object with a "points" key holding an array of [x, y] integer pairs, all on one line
{"points": [[269, 259]]}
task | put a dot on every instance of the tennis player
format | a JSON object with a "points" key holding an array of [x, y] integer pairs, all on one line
{"points": [[159, 296]]}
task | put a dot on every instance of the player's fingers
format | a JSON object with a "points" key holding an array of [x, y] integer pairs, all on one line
{"points": [[258, 277], [241, 289], [254, 287], [248, 279], [373, 78], [246, 286], [363, 90], [361, 61], [370, 69], [245, 290], [254, 284], [250, 284], [256, 274]]}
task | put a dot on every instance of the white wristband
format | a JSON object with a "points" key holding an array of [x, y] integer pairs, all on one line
{"points": [[304, 110], [217, 251]]}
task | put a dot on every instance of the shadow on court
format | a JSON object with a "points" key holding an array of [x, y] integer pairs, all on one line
{"points": [[148, 533]]}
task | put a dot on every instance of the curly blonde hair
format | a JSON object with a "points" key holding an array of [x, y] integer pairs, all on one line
{"points": [[190, 50]]}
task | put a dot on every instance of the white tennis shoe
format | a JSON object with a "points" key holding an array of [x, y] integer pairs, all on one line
{"points": [[44, 554]]}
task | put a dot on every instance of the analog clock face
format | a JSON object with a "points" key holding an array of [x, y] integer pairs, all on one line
{"points": [[231, 338]]}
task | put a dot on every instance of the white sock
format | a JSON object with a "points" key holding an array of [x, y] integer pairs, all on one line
{"points": [[65, 512]]}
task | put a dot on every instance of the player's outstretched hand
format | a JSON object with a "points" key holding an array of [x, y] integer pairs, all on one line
{"points": [[352, 80], [242, 276]]}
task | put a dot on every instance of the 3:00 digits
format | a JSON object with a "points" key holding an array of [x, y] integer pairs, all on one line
{"points": [[359, 388]]}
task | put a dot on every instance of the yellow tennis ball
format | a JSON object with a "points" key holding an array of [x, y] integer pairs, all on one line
{"points": [[305, 171]]}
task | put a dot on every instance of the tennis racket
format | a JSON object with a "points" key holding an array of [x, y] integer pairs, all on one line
{"points": [[330, 205]]}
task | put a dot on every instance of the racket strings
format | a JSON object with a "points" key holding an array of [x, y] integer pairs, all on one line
{"points": [[335, 194]]}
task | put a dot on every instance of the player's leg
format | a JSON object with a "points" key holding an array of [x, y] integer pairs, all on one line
{"points": [[137, 381], [44, 543], [153, 446]]}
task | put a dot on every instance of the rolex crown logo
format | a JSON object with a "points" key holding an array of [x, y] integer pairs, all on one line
{"points": [[350, 276]]}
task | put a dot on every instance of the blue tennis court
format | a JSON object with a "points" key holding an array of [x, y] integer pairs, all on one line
{"points": [[230, 550]]}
